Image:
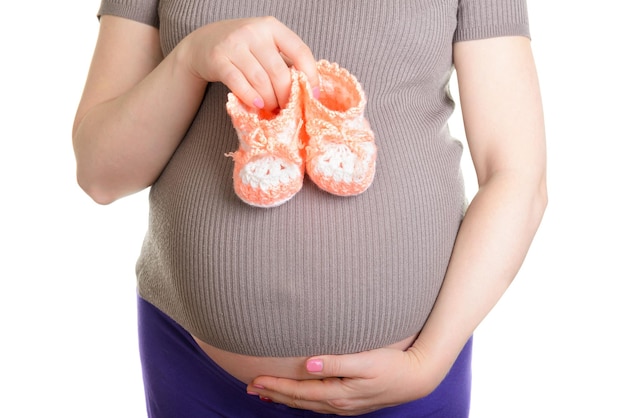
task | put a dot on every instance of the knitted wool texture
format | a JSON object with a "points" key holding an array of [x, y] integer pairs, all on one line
{"points": [[341, 154], [269, 167], [320, 274], [339, 144]]}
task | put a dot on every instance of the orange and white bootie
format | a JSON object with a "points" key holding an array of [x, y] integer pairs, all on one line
{"points": [[269, 164], [340, 154]]}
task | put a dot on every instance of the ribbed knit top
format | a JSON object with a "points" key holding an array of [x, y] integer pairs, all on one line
{"points": [[320, 274]]}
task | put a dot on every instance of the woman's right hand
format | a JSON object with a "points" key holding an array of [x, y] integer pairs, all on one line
{"points": [[251, 57], [138, 104]]}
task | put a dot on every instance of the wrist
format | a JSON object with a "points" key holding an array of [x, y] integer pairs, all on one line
{"points": [[437, 351], [182, 61], [428, 371]]}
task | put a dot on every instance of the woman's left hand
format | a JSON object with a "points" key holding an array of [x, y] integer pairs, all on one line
{"points": [[354, 384]]}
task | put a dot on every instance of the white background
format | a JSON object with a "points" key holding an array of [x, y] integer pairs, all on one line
{"points": [[553, 347]]}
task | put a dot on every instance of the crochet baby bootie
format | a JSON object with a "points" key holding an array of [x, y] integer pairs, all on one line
{"points": [[269, 164], [341, 154]]}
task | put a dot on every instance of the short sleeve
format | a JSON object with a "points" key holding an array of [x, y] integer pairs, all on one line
{"points": [[480, 19], [144, 11]]}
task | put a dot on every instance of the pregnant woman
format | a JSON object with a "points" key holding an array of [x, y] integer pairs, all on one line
{"points": [[358, 304]]}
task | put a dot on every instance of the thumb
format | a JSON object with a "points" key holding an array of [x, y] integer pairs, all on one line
{"points": [[315, 365], [335, 366]]}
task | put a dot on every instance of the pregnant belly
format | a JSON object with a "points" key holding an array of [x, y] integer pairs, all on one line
{"points": [[246, 368]]}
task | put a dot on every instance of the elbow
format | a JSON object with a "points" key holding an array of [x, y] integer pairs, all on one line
{"points": [[539, 201], [544, 200], [100, 198], [99, 194], [542, 195], [89, 176], [95, 185], [106, 186], [98, 182]]}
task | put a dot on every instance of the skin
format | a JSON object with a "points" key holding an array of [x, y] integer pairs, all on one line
{"points": [[123, 139], [131, 119], [503, 119]]}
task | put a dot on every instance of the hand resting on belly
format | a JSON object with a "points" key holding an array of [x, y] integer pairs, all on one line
{"points": [[246, 368]]}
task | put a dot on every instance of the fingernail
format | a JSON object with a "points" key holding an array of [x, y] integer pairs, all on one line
{"points": [[258, 102], [314, 365], [264, 399], [252, 393], [316, 92], [258, 387]]}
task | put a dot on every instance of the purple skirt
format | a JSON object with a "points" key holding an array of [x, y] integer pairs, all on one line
{"points": [[181, 381]]}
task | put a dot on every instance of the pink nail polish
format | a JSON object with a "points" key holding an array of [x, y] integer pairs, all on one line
{"points": [[314, 365], [316, 92], [258, 102]]}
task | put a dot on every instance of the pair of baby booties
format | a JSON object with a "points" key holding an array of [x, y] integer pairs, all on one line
{"points": [[327, 137]]}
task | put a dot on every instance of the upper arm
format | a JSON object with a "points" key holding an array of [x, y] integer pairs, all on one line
{"points": [[126, 51], [501, 105]]}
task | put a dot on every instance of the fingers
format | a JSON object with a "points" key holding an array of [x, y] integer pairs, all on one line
{"points": [[360, 365], [329, 396], [349, 384], [297, 54], [287, 50], [273, 81], [260, 82], [252, 58]]}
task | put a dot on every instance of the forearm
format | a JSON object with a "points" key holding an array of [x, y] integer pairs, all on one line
{"points": [[491, 245], [122, 145]]}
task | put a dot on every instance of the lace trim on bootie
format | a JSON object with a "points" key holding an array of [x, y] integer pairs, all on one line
{"points": [[269, 164], [341, 153]]}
